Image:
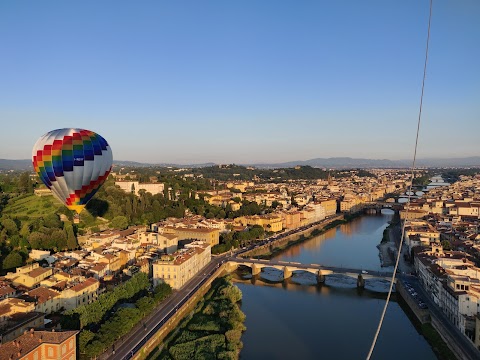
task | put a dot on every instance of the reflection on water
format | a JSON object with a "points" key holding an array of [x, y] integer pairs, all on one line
{"points": [[305, 281], [352, 244], [299, 319], [290, 321]]}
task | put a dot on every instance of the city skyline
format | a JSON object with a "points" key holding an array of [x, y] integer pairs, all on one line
{"points": [[242, 83]]}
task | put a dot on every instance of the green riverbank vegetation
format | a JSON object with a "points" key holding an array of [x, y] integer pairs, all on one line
{"points": [[212, 331]]}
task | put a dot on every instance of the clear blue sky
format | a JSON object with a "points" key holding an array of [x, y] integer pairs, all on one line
{"points": [[242, 81]]}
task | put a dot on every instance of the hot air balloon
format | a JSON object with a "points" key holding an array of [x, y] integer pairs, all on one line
{"points": [[73, 164]]}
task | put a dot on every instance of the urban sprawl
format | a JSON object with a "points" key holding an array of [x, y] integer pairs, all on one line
{"points": [[442, 244]]}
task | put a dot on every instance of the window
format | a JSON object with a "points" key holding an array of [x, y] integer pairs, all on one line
{"points": [[64, 349], [50, 351]]}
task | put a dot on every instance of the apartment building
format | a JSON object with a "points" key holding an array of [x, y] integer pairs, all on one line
{"points": [[210, 236], [271, 223], [330, 206], [80, 294], [39, 345], [176, 269], [135, 187]]}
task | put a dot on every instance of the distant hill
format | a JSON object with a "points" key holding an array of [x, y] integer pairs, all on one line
{"points": [[26, 164], [6, 164], [138, 164], [329, 163], [339, 163], [472, 161]]}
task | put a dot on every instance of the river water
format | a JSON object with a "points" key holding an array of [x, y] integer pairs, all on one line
{"points": [[297, 319]]}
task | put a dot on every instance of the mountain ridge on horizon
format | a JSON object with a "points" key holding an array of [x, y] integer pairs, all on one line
{"points": [[331, 162]]}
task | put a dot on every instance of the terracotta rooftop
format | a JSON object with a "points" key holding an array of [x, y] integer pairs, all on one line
{"points": [[200, 230], [83, 285], [25, 343], [42, 294], [5, 290], [38, 272]]}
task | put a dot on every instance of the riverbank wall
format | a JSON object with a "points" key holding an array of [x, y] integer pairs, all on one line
{"points": [[456, 349], [295, 238], [181, 313], [423, 315]]}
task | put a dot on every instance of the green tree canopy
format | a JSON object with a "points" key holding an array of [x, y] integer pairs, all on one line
{"points": [[119, 222], [12, 260]]}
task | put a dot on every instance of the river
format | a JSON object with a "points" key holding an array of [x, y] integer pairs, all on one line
{"points": [[297, 319]]}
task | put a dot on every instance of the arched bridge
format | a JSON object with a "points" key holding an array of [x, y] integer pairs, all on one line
{"points": [[319, 271], [377, 206]]}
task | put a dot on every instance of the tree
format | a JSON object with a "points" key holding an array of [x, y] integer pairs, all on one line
{"points": [[446, 245], [25, 231], [12, 260], [58, 240], [25, 183], [10, 226], [275, 204], [53, 221], [119, 222], [36, 240], [71, 239]]}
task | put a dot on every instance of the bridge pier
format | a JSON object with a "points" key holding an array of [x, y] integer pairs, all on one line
{"points": [[320, 277], [287, 273], [256, 269], [360, 281], [231, 266]]}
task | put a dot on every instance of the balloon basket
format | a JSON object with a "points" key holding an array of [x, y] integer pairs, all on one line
{"points": [[76, 219]]}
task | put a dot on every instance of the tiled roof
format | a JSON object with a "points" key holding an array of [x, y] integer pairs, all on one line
{"points": [[27, 342]]}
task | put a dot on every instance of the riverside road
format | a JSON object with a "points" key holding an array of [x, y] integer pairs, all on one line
{"points": [[130, 344]]}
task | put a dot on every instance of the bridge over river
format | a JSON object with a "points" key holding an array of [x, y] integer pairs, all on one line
{"points": [[320, 271]]}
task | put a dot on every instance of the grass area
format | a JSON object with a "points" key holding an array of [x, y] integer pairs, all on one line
{"points": [[435, 340], [27, 208], [212, 331], [31, 206]]}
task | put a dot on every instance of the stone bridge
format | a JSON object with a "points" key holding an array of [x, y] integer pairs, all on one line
{"points": [[319, 271], [377, 206]]}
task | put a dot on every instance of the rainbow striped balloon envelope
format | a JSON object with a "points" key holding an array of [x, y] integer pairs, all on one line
{"points": [[73, 164]]}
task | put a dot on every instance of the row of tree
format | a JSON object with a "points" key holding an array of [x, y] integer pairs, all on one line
{"points": [[238, 239], [94, 312], [122, 321]]}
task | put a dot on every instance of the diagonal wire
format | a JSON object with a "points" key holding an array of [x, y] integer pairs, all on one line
{"points": [[409, 192]]}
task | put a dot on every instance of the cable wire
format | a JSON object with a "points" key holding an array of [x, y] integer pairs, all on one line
{"points": [[410, 192]]}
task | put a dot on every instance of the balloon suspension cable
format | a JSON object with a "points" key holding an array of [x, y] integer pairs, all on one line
{"points": [[410, 192]]}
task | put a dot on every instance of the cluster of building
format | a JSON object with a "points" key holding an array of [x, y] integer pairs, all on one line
{"points": [[171, 251], [34, 295], [445, 243]]}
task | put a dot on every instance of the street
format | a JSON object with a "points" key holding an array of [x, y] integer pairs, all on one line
{"points": [[127, 346]]}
